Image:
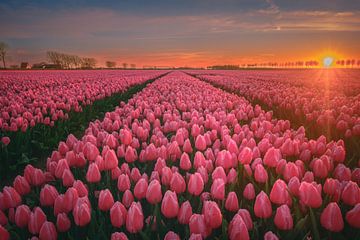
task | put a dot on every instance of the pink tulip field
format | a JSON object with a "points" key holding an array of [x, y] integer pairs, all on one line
{"points": [[197, 154]]}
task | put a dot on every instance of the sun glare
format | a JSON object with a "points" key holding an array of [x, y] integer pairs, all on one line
{"points": [[328, 61]]}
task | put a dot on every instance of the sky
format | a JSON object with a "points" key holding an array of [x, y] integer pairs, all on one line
{"points": [[177, 33]]}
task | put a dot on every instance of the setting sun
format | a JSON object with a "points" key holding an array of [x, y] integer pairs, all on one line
{"points": [[328, 61]]}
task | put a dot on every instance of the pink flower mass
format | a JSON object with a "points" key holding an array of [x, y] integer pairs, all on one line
{"points": [[181, 159]]}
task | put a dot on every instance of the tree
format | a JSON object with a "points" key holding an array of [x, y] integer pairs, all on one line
{"points": [[124, 65], [3, 51], [88, 63], [110, 64]]}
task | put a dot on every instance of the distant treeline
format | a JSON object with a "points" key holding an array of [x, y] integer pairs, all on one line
{"points": [[225, 67], [68, 61]]}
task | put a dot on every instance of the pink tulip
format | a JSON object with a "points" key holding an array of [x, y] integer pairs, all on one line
{"points": [[237, 229], [200, 143], [36, 220], [232, 202], [154, 194], [106, 200], [93, 174], [218, 189], [110, 160], [185, 212], [82, 214], [135, 218], [63, 222], [4, 234], [48, 194], [309, 195], [262, 206], [119, 236], [270, 236], [140, 189], [280, 194], [353, 216], [170, 205], [177, 183], [22, 216], [127, 198], [195, 184], [212, 214], [245, 156], [249, 191], [331, 218], [48, 231], [123, 182], [260, 174], [351, 194], [118, 214], [272, 156], [197, 225], [21, 185], [245, 215], [283, 219], [171, 236]]}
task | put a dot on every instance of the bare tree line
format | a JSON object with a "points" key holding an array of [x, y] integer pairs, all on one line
{"points": [[68, 61], [3, 51]]}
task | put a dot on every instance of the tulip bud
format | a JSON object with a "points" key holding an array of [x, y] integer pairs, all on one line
{"points": [[22, 216], [93, 174], [21, 185], [195, 184], [82, 214], [200, 143], [212, 214], [353, 216], [63, 222], [197, 225], [153, 193], [106, 200], [232, 202], [48, 231], [48, 194], [218, 189], [110, 160], [271, 157], [279, 193], [123, 183], [310, 195], [331, 218], [170, 205], [135, 218], [177, 183], [37, 218], [283, 219], [245, 156], [262, 206], [118, 214], [4, 234], [237, 229], [171, 236], [270, 236], [260, 174], [119, 236], [140, 189], [185, 213], [351, 194], [249, 191]]}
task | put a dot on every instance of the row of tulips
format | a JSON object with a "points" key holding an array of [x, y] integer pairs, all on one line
{"points": [[42, 97], [183, 159], [312, 96]]}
